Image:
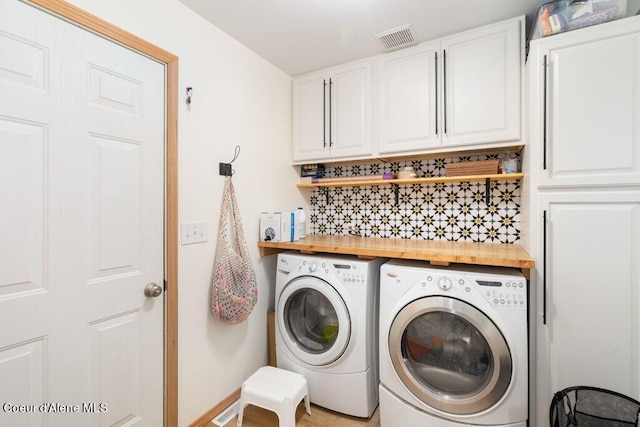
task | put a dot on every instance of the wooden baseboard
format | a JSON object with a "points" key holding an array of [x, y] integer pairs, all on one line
{"points": [[205, 418]]}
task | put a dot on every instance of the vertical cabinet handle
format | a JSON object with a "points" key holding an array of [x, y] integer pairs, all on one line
{"points": [[544, 115], [436, 93], [330, 128], [444, 92], [324, 113], [544, 267]]}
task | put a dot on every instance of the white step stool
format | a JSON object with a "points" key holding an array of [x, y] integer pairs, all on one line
{"points": [[277, 390]]}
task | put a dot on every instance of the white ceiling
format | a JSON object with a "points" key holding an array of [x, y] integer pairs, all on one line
{"points": [[299, 36]]}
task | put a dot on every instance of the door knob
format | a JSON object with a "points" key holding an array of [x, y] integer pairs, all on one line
{"points": [[152, 290]]}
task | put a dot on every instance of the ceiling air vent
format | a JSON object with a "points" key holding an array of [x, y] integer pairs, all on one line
{"points": [[397, 38]]}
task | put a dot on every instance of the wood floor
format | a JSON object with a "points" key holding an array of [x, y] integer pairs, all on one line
{"points": [[320, 417]]}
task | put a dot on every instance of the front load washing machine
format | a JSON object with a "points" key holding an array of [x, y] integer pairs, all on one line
{"points": [[326, 328], [453, 346]]}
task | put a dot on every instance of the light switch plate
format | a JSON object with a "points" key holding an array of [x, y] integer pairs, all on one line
{"points": [[194, 232]]}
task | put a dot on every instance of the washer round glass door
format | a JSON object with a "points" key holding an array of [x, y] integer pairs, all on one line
{"points": [[450, 355], [313, 321]]}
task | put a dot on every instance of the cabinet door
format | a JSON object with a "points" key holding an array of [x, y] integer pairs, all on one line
{"points": [[592, 130], [350, 100], [590, 288], [310, 131], [482, 84], [408, 99]]}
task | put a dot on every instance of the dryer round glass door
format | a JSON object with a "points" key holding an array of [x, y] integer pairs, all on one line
{"points": [[313, 321], [450, 355]]}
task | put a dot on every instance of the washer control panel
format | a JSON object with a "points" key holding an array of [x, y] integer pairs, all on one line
{"points": [[505, 293], [349, 274]]}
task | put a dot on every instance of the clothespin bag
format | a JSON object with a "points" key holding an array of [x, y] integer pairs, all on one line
{"points": [[234, 291]]}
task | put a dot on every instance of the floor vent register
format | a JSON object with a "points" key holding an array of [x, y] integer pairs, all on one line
{"points": [[225, 416]]}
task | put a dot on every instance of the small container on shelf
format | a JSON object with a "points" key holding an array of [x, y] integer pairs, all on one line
{"points": [[407, 172], [509, 163], [559, 16]]}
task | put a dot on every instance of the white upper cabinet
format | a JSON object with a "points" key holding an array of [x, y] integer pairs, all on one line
{"points": [[460, 90], [350, 110], [585, 88], [482, 84], [408, 99], [332, 114], [309, 118]]}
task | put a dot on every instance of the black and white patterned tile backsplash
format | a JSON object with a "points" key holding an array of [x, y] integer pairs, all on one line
{"points": [[454, 211]]}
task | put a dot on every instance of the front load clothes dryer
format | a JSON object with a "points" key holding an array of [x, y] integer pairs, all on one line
{"points": [[453, 346], [326, 328]]}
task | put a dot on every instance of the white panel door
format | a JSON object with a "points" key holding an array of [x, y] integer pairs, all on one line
{"points": [[592, 293], [408, 103], [592, 133], [81, 225], [482, 86], [310, 118], [350, 110]]}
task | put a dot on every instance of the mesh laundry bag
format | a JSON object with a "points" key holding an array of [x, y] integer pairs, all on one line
{"points": [[584, 406], [234, 291]]}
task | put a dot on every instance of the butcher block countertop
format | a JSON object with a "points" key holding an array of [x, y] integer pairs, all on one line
{"points": [[437, 252]]}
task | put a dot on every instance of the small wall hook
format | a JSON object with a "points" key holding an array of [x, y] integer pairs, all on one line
{"points": [[225, 168], [189, 93]]}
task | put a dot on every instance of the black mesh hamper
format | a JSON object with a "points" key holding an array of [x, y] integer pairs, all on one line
{"points": [[584, 406]]}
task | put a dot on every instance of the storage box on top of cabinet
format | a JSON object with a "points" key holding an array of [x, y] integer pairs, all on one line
{"points": [[565, 15]]}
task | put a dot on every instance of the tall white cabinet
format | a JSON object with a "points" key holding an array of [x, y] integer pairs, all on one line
{"points": [[459, 90], [584, 161]]}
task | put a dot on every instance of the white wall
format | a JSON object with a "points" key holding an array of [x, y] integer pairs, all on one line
{"points": [[238, 99]]}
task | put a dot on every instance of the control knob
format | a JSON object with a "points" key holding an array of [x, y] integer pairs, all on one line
{"points": [[444, 283], [313, 266]]}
